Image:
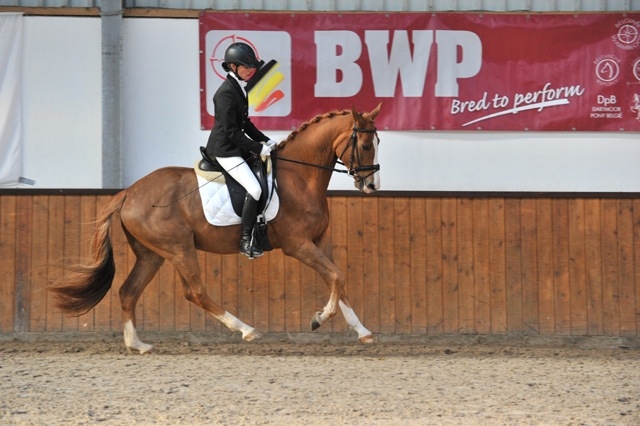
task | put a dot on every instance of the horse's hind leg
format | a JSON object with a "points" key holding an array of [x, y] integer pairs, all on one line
{"points": [[145, 268], [195, 292]]}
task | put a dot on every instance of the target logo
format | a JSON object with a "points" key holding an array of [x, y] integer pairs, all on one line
{"points": [[628, 34], [271, 96]]}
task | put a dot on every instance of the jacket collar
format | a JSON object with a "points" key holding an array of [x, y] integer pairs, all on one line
{"points": [[239, 83]]}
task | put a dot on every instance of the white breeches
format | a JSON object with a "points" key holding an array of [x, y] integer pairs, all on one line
{"points": [[239, 170]]}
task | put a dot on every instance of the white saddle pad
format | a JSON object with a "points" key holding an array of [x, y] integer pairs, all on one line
{"points": [[216, 203]]}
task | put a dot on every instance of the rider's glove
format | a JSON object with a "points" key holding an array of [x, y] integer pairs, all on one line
{"points": [[266, 151]]}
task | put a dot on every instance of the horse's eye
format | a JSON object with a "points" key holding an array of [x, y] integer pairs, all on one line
{"points": [[367, 147]]}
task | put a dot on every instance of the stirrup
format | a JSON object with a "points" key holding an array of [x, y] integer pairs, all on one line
{"points": [[253, 252], [249, 249]]}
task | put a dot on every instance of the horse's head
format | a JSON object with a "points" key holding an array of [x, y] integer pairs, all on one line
{"points": [[360, 153]]}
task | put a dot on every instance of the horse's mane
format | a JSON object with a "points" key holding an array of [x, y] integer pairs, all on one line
{"points": [[314, 120]]}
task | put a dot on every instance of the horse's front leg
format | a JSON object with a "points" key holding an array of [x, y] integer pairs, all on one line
{"points": [[316, 258], [364, 335]]}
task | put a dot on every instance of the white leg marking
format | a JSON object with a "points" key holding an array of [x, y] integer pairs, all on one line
{"points": [[328, 311], [248, 333], [364, 335], [131, 340]]}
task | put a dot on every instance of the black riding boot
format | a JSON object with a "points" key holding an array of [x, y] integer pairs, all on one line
{"points": [[249, 213]]}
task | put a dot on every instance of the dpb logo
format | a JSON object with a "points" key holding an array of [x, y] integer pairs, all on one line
{"points": [[271, 95]]}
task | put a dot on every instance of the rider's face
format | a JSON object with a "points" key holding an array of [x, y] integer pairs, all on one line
{"points": [[245, 72]]}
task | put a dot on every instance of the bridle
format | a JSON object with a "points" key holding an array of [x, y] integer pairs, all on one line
{"points": [[355, 154]]}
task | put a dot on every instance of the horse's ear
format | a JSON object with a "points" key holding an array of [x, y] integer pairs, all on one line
{"points": [[372, 115], [356, 115]]}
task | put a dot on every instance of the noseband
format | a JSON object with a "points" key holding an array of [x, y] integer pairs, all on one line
{"points": [[355, 153]]}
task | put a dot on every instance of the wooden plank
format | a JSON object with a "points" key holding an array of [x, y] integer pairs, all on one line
{"points": [[371, 252], [628, 311], [22, 310], [450, 288], [529, 258], [546, 292], [277, 293], [593, 260], [39, 279], [293, 293], [55, 255], [386, 265], [610, 282], [261, 284], [513, 265], [402, 273], [8, 235], [418, 254], [466, 282], [481, 266], [433, 264], [577, 267], [497, 261], [562, 287]]}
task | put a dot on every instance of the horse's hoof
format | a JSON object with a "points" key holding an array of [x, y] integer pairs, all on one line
{"points": [[368, 339], [315, 321], [251, 335], [142, 348]]}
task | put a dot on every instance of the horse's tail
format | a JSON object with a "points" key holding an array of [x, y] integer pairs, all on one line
{"points": [[84, 286]]}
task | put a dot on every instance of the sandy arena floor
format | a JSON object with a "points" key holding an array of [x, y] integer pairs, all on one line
{"points": [[87, 383]]}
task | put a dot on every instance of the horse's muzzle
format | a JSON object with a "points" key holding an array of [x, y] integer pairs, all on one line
{"points": [[368, 185]]}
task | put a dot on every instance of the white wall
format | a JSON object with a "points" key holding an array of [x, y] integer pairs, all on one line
{"points": [[62, 102], [162, 123]]}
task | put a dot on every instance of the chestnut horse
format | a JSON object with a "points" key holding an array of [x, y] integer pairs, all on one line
{"points": [[160, 223]]}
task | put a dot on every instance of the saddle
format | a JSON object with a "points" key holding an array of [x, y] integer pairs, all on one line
{"points": [[237, 191]]}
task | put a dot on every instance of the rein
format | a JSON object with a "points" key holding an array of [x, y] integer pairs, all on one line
{"points": [[352, 171]]}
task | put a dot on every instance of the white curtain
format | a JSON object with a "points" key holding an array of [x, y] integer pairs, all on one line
{"points": [[10, 98]]}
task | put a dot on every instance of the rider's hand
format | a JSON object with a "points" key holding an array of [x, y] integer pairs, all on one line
{"points": [[266, 151], [272, 144]]}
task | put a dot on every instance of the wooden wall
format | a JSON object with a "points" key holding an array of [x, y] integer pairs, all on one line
{"points": [[428, 264]]}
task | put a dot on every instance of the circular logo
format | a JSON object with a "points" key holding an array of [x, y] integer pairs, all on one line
{"points": [[627, 34], [636, 69], [607, 70], [217, 56]]}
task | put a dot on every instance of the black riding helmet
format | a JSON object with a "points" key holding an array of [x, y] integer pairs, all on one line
{"points": [[240, 54]]}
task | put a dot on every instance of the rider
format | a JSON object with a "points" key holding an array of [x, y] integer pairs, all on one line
{"points": [[234, 138]]}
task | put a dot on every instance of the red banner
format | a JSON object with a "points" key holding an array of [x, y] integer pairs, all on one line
{"points": [[436, 71]]}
